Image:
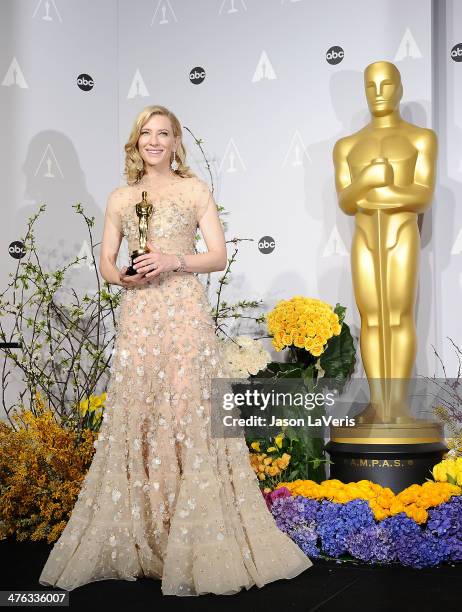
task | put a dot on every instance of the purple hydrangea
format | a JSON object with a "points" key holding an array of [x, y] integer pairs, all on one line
{"points": [[328, 528], [413, 545], [306, 538], [288, 512], [445, 522], [296, 516], [373, 544]]}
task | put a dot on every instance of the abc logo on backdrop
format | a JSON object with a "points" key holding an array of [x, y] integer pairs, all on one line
{"points": [[85, 82], [266, 245], [197, 75], [456, 52], [17, 249], [334, 55]]}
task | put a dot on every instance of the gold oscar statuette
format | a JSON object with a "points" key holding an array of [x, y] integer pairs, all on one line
{"points": [[385, 177], [144, 212]]}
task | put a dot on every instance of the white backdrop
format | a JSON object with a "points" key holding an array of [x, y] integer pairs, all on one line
{"points": [[269, 111]]}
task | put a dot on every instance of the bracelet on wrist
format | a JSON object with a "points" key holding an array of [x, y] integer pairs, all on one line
{"points": [[182, 264]]}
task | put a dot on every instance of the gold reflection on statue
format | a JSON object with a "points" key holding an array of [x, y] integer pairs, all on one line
{"points": [[385, 176], [144, 212]]}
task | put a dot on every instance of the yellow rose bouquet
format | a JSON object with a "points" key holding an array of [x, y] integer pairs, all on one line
{"points": [[304, 323], [318, 339]]}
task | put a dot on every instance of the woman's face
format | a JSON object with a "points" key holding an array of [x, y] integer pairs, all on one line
{"points": [[156, 142]]}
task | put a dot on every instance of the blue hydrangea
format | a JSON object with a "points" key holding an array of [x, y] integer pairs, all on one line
{"points": [[325, 527], [373, 544], [413, 545], [306, 538], [446, 519], [338, 522]]}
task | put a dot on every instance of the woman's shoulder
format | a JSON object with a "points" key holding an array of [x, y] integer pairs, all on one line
{"points": [[121, 191], [198, 184], [119, 196]]}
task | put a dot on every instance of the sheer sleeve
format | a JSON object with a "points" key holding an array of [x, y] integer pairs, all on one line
{"points": [[114, 206], [203, 199]]}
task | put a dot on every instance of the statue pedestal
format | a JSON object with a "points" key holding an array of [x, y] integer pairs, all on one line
{"points": [[392, 455]]}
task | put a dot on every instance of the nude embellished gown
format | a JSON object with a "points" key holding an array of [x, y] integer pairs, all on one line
{"points": [[163, 498]]}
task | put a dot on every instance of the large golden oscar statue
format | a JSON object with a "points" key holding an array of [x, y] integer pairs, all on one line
{"points": [[385, 176]]}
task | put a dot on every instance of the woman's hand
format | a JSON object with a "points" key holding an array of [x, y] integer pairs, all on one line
{"points": [[128, 282], [153, 263]]}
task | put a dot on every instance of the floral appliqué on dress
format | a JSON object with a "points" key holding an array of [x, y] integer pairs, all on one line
{"points": [[163, 498]]}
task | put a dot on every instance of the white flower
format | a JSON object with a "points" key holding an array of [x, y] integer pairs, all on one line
{"points": [[136, 511], [244, 356], [192, 503], [124, 355]]}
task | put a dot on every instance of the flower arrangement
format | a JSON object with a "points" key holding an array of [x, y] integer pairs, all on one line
{"points": [[413, 501], [42, 466], [350, 529], [303, 322], [320, 347], [449, 470], [265, 465], [245, 356], [280, 458], [319, 341]]}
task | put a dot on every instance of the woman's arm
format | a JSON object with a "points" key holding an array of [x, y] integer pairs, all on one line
{"points": [[216, 257], [112, 238]]}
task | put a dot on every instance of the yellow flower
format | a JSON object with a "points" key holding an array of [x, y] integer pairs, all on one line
{"points": [[271, 449], [83, 406], [256, 446], [439, 473], [278, 440], [302, 322]]}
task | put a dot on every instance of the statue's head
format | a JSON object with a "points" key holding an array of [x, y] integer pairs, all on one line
{"points": [[382, 82]]}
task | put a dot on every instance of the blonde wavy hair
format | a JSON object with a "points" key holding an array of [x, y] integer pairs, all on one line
{"points": [[134, 165]]}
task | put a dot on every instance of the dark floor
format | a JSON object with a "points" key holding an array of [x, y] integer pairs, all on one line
{"points": [[325, 587]]}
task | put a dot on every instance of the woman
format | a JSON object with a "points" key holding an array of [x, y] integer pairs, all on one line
{"points": [[163, 498]]}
